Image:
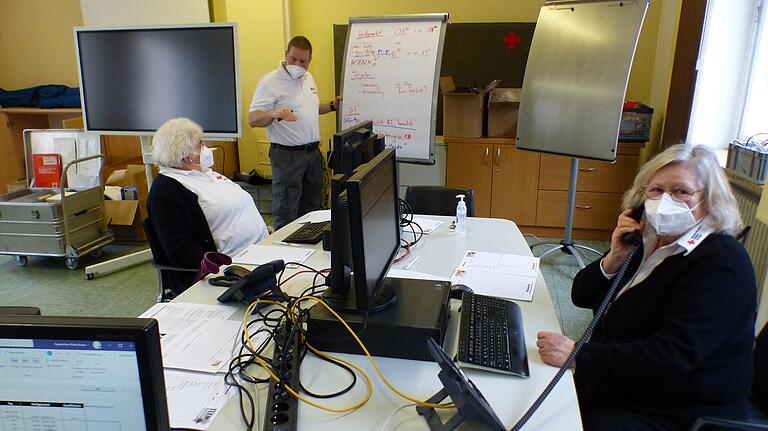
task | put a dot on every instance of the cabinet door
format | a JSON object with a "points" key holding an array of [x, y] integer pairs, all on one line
{"points": [[469, 166], [594, 176], [515, 184], [591, 211]]}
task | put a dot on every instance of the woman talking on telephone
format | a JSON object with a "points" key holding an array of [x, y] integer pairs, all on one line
{"points": [[676, 342]]}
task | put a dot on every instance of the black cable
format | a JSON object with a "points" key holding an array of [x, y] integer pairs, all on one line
{"points": [[334, 362], [579, 344]]}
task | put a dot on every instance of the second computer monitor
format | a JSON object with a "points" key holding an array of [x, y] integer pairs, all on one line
{"points": [[354, 146], [374, 229]]}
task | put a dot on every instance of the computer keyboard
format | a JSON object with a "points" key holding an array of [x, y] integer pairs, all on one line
{"points": [[310, 233], [491, 335]]}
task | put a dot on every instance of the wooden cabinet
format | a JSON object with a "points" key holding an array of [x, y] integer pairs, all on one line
{"points": [[531, 189], [505, 179]]}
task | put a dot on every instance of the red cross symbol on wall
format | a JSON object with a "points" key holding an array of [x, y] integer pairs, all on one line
{"points": [[511, 40]]}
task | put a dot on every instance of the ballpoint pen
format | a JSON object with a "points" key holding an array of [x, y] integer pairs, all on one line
{"points": [[285, 243]]}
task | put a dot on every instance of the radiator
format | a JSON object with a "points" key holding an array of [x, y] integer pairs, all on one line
{"points": [[756, 244]]}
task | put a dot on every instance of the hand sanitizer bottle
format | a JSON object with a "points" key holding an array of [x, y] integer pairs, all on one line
{"points": [[461, 215]]}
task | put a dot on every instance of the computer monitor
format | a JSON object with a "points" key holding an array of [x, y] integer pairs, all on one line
{"points": [[133, 79], [61, 373], [354, 146], [366, 236]]}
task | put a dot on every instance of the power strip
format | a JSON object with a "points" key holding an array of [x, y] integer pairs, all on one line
{"points": [[282, 409]]}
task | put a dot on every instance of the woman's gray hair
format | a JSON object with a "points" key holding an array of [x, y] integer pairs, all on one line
{"points": [[721, 205], [174, 140]]}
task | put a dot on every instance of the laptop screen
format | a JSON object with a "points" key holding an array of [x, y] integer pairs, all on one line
{"points": [[52, 384]]}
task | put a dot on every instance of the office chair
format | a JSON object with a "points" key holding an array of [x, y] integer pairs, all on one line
{"points": [[436, 200], [758, 412], [167, 275]]}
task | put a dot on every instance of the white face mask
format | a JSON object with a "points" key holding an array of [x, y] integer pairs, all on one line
{"points": [[206, 158], [295, 70], [669, 216]]}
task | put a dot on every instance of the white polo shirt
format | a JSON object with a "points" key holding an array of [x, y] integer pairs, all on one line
{"points": [[232, 217], [278, 90]]}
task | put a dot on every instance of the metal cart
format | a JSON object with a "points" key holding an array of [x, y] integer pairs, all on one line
{"points": [[59, 222]]}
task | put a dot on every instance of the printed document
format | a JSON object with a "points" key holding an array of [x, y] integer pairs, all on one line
{"points": [[497, 274]]}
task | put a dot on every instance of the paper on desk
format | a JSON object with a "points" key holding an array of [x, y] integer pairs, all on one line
{"points": [[194, 399], [414, 275], [497, 274], [204, 345], [428, 225], [316, 217], [260, 254], [512, 264], [174, 317]]}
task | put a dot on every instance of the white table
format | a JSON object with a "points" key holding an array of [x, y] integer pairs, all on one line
{"points": [[440, 253]]}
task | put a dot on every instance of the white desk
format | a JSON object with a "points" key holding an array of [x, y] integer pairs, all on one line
{"points": [[440, 253]]}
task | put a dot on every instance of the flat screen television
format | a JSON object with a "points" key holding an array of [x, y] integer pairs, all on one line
{"points": [[133, 79]]}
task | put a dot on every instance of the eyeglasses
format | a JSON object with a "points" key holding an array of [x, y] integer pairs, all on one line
{"points": [[680, 193]]}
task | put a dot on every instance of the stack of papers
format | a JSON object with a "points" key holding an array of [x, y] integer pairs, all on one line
{"points": [[198, 341], [315, 217], [261, 254], [497, 274]]}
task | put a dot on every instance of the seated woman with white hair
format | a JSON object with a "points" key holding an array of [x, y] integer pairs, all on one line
{"points": [[193, 209], [676, 342]]}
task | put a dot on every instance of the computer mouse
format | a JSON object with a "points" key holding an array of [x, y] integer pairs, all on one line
{"points": [[236, 270], [457, 290]]}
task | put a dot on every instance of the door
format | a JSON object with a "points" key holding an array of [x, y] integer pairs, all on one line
{"points": [[469, 166], [515, 184]]}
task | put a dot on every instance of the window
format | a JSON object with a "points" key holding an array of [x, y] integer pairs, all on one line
{"points": [[754, 119], [732, 74]]}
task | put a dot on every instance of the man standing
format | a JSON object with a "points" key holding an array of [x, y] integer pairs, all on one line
{"points": [[286, 103]]}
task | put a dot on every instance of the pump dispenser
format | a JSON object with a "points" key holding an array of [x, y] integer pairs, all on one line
{"points": [[461, 215]]}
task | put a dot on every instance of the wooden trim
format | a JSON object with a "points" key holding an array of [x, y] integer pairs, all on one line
{"points": [[683, 81], [41, 111]]}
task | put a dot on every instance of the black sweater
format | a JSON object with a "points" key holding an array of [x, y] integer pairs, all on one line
{"points": [[679, 341], [181, 229]]}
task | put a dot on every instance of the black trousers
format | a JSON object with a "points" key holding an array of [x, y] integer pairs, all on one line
{"points": [[297, 182]]}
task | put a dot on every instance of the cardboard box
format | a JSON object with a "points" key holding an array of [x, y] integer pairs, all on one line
{"points": [[463, 113], [503, 106], [125, 216], [124, 219]]}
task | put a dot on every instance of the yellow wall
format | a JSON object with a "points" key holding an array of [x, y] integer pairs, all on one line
{"points": [[37, 42], [260, 29]]}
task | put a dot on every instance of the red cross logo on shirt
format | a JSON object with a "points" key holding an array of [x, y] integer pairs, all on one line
{"points": [[511, 40], [691, 242], [218, 177]]}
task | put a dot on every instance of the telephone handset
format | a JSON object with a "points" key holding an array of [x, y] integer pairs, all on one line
{"points": [[636, 237], [259, 283]]}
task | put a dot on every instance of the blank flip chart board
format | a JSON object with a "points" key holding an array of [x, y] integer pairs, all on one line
{"points": [[390, 71], [576, 77]]}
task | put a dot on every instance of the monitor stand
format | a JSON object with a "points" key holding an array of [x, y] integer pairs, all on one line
{"points": [[417, 311]]}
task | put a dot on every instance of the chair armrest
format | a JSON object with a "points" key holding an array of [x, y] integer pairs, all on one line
{"points": [[728, 423]]}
